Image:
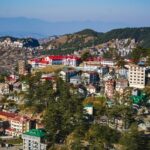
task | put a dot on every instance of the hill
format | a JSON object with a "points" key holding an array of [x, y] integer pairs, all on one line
{"points": [[27, 42], [141, 35], [88, 37], [13, 49]]}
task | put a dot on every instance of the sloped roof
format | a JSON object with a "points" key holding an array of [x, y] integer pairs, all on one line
{"points": [[36, 132]]}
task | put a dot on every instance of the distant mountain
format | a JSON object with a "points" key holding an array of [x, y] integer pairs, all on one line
{"points": [[88, 37], [25, 27]]}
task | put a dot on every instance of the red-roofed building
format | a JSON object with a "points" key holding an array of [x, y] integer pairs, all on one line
{"points": [[69, 60], [7, 115]]}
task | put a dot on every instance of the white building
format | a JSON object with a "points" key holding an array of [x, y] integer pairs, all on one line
{"points": [[108, 62], [68, 60], [34, 140], [136, 76], [89, 109], [75, 80], [91, 89]]}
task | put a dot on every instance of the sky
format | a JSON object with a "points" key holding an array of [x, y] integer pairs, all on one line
{"points": [[71, 15], [134, 11]]}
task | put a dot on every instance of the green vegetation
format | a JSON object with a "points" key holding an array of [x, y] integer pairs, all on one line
{"points": [[140, 52], [58, 51], [141, 35], [89, 32], [39, 93], [64, 113], [132, 139], [85, 55], [67, 124], [101, 137], [2, 78], [88, 38], [14, 141], [30, 42]]}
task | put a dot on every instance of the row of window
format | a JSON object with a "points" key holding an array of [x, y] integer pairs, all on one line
{"points": [[135, 73], [136, 79], [136, 82]]}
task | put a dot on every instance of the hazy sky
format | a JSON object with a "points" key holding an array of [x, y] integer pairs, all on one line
{"points": [[126, 11]]}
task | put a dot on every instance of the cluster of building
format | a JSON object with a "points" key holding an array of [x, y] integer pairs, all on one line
{"points": [[14, 124], [69, 60], [98, 75], [7, 42], [94, 77], [123, 46]]}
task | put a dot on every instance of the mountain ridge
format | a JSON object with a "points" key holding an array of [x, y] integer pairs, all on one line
{"points": [[27, 26], [88, 37]]}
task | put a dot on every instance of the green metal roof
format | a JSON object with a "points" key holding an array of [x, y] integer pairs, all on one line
{"points": [[88, 105], [138, 99], [36, 132]]}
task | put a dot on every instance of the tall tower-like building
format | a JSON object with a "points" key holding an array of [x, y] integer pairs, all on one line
{"points": [[21, 67], [109, 88]]}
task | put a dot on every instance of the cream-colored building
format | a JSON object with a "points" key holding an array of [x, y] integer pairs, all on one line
{"points": [[136, 76]]}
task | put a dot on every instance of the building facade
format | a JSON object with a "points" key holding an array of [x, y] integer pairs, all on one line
{"points": [[68, 60], [109, 88], [121, 84], [34, 140], [17, 124], [136, 76]]}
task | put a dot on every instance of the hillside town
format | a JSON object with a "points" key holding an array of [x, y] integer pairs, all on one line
{"points": [[109, 89]]}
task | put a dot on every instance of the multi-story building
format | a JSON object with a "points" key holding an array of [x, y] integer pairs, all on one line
{"points": [[66, 74], [109, 88], [136, 76], [121, 84], [34, 139], [122, 72], [17, 124], [94, 78], [21, 67], [55, 60], [108, 62]]}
